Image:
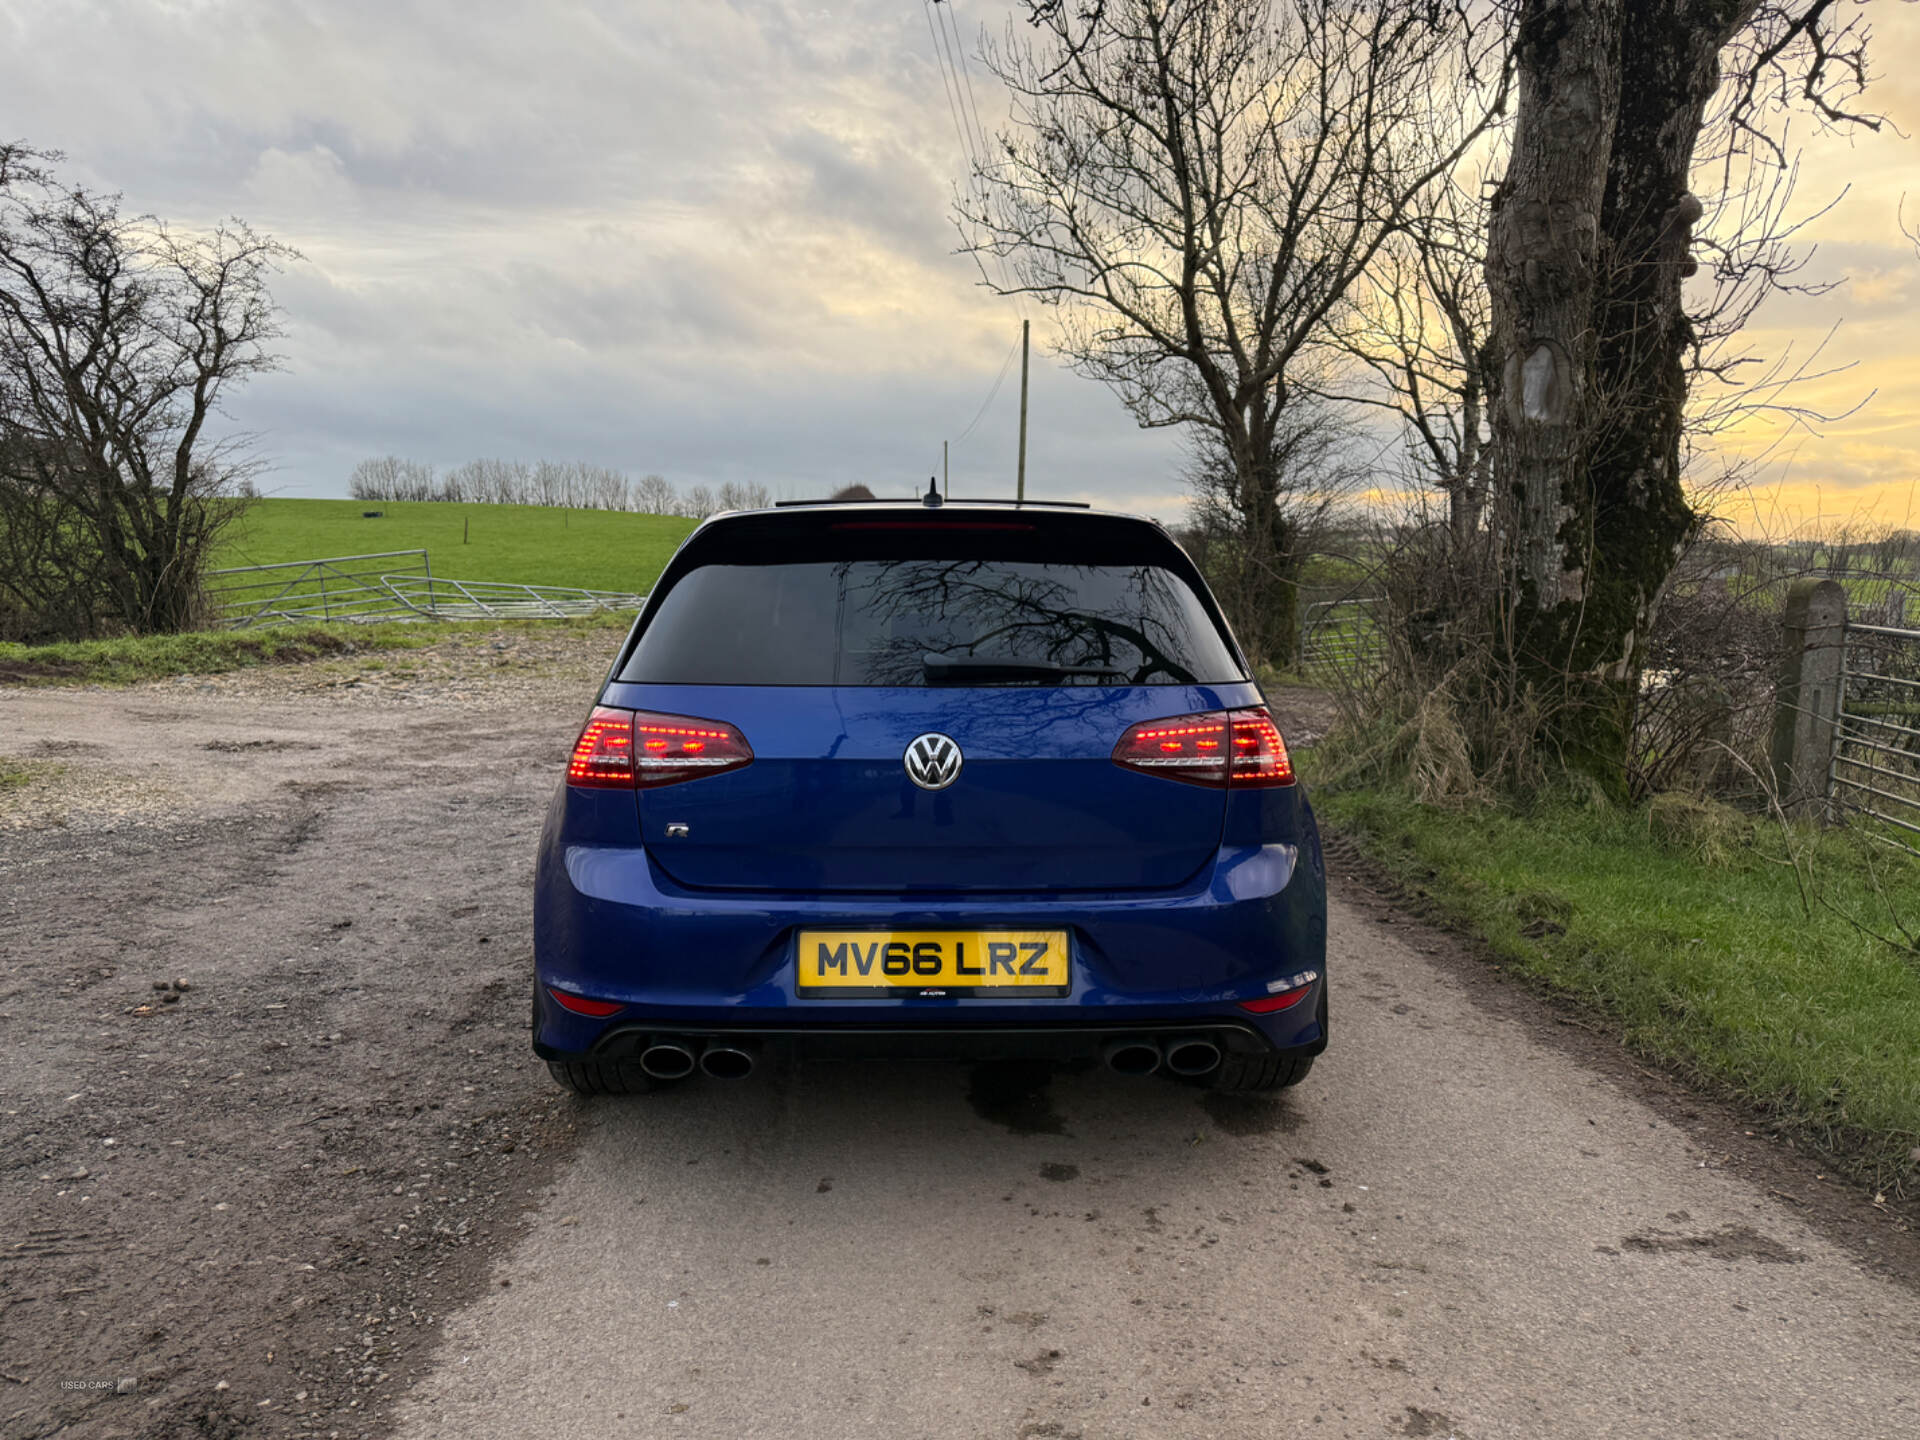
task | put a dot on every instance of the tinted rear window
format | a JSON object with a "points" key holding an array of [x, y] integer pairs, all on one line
{"points": [[931, 619]]}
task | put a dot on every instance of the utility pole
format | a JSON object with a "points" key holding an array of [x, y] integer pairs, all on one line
{"points": [[1020, 484], [946, 490]]}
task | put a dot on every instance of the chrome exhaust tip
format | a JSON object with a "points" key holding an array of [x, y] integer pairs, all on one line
{"points": [[726, 1062], [1192, 1055], [1132, 1057], [667, 1060]]}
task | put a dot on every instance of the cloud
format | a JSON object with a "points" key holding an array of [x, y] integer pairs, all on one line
{"points": [[708, 238], [705, 239]]}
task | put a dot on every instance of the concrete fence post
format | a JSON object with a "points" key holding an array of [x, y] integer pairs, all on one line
{"points": [[1806, 697]]}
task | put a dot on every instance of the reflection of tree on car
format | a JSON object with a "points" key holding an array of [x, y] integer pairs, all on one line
{"points": [[981, 621]]}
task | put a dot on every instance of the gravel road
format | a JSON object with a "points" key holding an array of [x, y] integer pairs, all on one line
{"points": [[323, 1189]]}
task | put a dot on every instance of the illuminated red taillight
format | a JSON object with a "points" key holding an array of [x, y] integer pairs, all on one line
{"points": [[625, 749], [1226, 747], [1259, 754], [670, 748], [580, 1005], [603, 755]]}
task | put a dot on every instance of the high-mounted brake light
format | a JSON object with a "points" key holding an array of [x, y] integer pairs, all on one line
{"points": [[941, 525], [1237, 748], [637, 749]]}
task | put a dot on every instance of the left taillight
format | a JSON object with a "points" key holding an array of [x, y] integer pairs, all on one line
{"points": [[637, 749], [1240, 749], [603, 755]]}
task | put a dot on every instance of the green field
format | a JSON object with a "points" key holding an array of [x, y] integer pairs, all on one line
{"points": [[526, 544]]}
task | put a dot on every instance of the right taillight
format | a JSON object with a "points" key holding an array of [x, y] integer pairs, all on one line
{"points": [[1259, 754], [637, 749], [1224, 748]]}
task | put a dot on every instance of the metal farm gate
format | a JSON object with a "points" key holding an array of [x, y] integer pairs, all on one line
{"points": [[1876, 745], [393, 585]]}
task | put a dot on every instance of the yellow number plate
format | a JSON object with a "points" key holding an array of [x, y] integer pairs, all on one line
{"points": [[889, 962]]}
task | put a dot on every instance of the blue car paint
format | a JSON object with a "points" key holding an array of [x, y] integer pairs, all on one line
{"points": [[610, 924], [1039, 805], [1180, 901]]}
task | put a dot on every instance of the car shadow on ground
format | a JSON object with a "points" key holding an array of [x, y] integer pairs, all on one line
{"points": [[897, 1127]]}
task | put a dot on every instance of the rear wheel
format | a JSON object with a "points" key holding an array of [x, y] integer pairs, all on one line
{"points": [[1254, 1074], [603, 1077]]}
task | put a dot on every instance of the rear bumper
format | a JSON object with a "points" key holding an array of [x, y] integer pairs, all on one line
{"points": [[610, 926], [1081, 1042]]}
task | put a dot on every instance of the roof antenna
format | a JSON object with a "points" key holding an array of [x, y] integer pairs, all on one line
{"points": [[932, 498]]}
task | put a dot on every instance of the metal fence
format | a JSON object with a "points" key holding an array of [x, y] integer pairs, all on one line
{"points": [[1876, 751], [1341, 636], [345, 587], [391, 585]]}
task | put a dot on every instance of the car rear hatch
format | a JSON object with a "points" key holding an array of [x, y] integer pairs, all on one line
{"points": [[833, 641]]}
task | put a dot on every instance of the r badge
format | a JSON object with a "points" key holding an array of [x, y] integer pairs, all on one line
{"points": [[933, 761]]}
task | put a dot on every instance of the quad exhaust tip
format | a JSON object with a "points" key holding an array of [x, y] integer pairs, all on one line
{"points": [[1132, 1057], [667, 1060], [726, 1062], [1192, 1055]]}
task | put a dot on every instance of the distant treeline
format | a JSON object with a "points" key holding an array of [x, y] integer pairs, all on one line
{"points": [[574, 486]]}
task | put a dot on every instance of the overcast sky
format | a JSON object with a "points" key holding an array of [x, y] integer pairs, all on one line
{"points": [[707, 239]]}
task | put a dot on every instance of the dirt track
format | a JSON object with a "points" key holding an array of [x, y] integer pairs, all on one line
{"points": [[282, 1178], [324, 1188]]}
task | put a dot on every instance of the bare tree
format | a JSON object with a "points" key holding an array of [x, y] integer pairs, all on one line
{"points": [[1589, 246], [511, 482], [737, 495], [698, 502], [375, 478], [1316, 462], [1419, 324], [118, 340], [653, 495], [1198, 183]]}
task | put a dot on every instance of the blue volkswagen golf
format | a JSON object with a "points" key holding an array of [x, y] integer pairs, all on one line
{"points": [[930, 780]]}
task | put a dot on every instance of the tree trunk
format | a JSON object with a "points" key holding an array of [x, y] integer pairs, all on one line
{"points": [[1586, 257]]}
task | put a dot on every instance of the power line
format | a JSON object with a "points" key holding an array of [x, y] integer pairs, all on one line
{"points": [[956, 77], [941, 63], [972, 107], [997, 382]]}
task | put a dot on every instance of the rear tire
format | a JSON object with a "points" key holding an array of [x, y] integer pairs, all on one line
{"points": [[1258, 1074], [603, 1077]]}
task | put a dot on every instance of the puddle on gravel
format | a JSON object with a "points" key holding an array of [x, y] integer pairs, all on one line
{"points": [[1250, 1114], [1014, 1093]]}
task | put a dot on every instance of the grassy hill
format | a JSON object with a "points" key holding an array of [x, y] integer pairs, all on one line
{"points": [[529, 544]]}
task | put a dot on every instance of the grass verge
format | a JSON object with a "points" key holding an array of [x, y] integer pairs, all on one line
{"points": [[130, 659], [1735, 950]]}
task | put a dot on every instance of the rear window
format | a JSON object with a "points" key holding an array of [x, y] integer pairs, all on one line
{"points": [[930, 619]]}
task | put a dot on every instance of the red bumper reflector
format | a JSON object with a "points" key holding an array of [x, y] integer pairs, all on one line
{"points": [[579, 1005], [1267, 1004]]}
